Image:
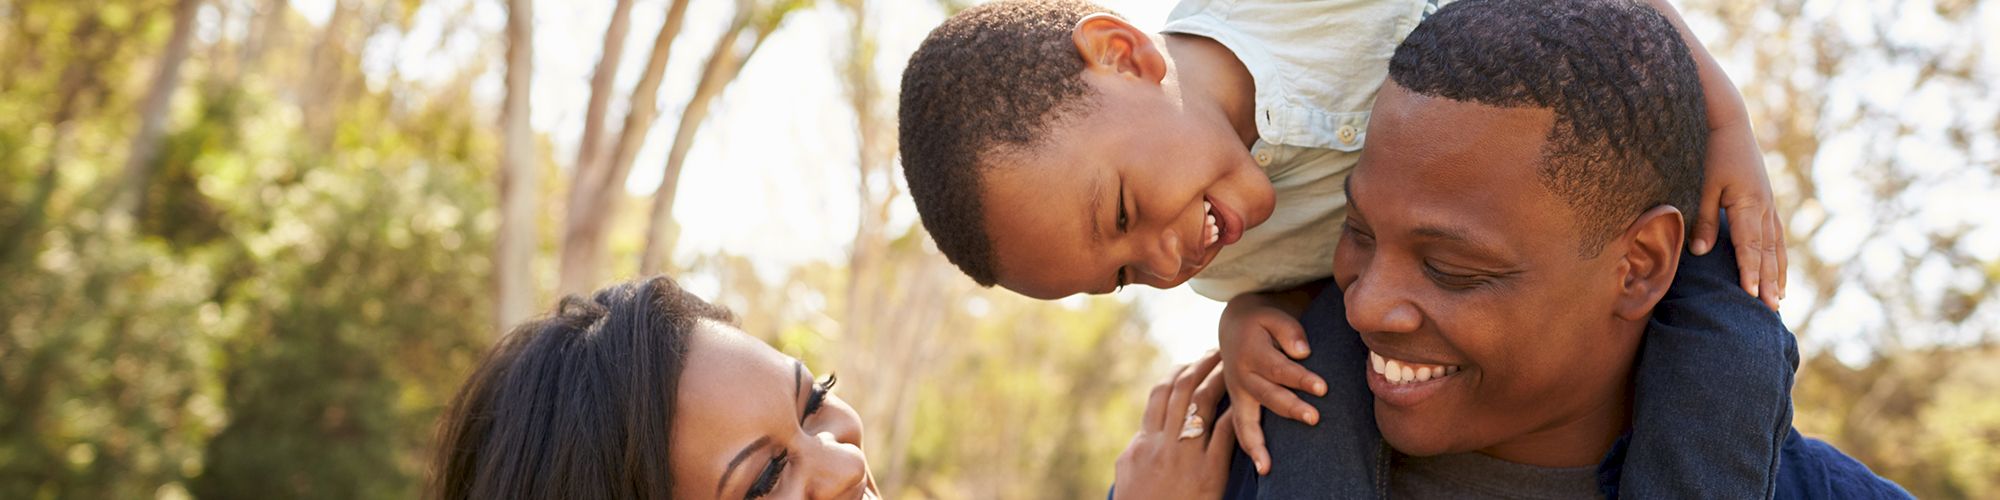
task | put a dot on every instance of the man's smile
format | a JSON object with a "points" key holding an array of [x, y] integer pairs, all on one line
{"points": [[1401, 383]]}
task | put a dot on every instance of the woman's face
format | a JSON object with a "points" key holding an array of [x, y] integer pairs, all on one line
{"points": [[750, 422]]}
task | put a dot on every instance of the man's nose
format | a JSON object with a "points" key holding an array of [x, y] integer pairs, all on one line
{"points": [[1379, 302], [840, 469]]}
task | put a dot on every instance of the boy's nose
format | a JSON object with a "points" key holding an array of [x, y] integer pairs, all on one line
{"points": [[1163, 260]]}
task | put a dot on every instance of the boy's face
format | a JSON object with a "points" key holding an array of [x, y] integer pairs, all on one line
{"points": [[1122, 193], [1123, 190], [1456, 260]]}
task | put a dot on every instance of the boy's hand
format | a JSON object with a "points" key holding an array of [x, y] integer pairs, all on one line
{"points": [[1258, 373], [1167, 461], [1735, 180]]}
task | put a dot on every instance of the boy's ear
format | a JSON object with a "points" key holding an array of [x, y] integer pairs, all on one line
{"points": [[1652, 255], [1108, 43]]}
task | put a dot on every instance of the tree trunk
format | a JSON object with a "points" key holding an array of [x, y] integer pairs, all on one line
{"points": [[153, 113], [725, 61], [594, 194], [519, 179], [601, 86], [320, 93], [265, 27]]}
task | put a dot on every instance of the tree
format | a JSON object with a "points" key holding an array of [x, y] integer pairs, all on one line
{"points": [[153, 114], [590, 147], [520, 182], [595, 192], [755, 20]]}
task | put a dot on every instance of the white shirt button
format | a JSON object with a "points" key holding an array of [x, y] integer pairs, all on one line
{"points": [[1348, 134], [1263, 158]]}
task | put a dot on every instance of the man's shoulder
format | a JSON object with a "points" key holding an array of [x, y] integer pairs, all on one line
{"points": [[1810, 468]]}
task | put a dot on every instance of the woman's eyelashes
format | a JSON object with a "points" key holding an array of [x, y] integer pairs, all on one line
{"points": [[767, 481], [774, 470], [818, 397]]}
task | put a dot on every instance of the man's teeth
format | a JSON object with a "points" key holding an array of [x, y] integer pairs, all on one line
{"points": [[1399, 372]]}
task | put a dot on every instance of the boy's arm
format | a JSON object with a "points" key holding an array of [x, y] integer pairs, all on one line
{"points": [[1258, 332], [1734, 179]]}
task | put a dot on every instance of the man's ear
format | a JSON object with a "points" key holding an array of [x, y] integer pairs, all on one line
{"points": [[1652, 255], [1107, 43]]}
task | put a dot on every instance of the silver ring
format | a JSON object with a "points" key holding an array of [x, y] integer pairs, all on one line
{"points": [[1192, 427]]}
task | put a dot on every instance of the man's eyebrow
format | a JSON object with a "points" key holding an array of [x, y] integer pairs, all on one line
{"points": [[1443, 233], [1462, 237], [740, 456]]}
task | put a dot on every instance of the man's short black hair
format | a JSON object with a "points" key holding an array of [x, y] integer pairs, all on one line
{"points": [[1630, 129], [993, 77]]}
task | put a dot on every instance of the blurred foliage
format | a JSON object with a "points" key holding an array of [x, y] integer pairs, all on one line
{"points": [[278, 321]]}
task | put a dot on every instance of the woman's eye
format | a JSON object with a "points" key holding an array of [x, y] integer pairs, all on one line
{"points": [[767, 482]]}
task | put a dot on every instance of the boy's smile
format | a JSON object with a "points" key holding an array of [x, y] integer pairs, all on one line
{"points": [[1146, 183]]}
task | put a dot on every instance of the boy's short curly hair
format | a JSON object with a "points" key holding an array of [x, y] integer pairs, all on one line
{"points": [[990, 79]]}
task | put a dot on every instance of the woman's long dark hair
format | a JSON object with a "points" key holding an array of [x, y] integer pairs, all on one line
{"points": [[577, 404]]}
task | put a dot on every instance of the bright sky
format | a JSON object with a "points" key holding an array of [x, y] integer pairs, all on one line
{"points": [[771, 172]]}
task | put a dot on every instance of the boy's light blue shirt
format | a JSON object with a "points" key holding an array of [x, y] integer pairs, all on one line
{"points": [[1317, 65]]}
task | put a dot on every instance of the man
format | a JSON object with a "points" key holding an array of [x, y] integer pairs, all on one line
{"points": [[1519, 218]]}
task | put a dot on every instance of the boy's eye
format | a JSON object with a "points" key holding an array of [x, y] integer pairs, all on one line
{"points": [[1123, 221]]}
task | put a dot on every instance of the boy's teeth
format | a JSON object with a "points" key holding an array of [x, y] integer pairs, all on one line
{"points": [[1398, 372]]}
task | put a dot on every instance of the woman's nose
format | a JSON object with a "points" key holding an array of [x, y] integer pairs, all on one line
{"points": [[840, 470]]}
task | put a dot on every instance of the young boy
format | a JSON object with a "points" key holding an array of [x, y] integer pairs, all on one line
{"points": [[1052, 148]]}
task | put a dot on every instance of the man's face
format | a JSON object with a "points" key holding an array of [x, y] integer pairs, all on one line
{"points": [[1122, 192], [1461, 268]]}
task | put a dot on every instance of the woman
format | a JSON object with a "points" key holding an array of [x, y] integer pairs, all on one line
{"points": [[646, 391]]}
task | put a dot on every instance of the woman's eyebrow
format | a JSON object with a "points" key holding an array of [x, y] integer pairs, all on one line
{"points": [[740, 456]]}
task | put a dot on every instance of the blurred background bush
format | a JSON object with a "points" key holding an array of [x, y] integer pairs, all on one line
{"points": [[248, 248]]}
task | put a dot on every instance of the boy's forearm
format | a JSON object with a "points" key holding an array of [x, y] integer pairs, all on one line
{"points": [[1724, 103]]}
